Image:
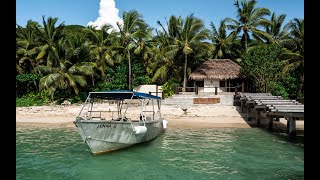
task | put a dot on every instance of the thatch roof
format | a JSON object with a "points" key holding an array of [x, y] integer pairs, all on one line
{"points": [[216, 69]]}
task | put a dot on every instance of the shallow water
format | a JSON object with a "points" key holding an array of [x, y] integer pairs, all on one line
{"points": [[223, 153]]}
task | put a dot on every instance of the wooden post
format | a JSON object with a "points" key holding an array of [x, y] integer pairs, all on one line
{"points": [[270, 122], [196, 90], [248, 113], [176, 90], [258, 117], [265, 87], [242, 106], [292, 128], [228, 87], [156, 90], [215, 90], [242, 86]]}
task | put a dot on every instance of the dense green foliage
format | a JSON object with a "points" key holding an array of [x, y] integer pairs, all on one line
{"points": [[115, 79], [33, 99], [58, 61], [263, 66], [25, 101], [26, 83]]}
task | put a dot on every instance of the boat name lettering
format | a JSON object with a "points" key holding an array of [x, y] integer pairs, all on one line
{"points": [[106, 126]]}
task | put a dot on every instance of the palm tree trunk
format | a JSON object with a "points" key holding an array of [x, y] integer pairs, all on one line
{"points": [[246, 41], [92, 78], [129, 70], [302, 84], [185, 71]]}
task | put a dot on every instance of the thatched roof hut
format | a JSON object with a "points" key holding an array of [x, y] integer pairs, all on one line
{"points": [[216, 69]]}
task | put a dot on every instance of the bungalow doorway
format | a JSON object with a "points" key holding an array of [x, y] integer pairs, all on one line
{"points": [[200, 83]]}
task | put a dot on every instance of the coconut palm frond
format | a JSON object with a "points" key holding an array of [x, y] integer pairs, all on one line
{"points": [[160, 74], [80, 80]]}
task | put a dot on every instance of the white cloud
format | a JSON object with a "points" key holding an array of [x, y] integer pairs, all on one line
{"points": [[108, 14]]}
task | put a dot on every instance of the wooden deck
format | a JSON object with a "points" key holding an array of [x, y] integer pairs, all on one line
{"points": [[274, 107]]}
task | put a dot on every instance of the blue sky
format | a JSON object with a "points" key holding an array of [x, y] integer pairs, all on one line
{"points": [[83, 11]]}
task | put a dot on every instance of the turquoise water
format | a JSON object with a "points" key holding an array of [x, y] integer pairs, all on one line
{"points": [[224, 153]]}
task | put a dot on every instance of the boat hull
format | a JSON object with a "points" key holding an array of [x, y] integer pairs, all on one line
{"points": [[104, 136]]}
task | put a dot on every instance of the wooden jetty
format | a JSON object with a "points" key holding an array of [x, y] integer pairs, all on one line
{"points": [[275, 107]]}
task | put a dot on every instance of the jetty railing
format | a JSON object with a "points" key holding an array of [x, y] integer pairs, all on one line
{"points": [[197, 89]]}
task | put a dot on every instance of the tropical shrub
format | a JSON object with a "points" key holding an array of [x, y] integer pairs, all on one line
{"points": [[169, 87], [27, 101], [33, 99]]}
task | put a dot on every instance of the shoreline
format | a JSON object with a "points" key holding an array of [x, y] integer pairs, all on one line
{"points": [[204, 116]]}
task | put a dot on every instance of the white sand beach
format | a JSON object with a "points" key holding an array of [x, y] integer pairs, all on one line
{"points": [[201, 116]]}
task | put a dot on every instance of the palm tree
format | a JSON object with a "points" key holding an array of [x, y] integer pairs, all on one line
{"points": [[49, 36], [168, 38], [294, 57], [133, 28], [79, 48], [297, 34], [193, 34], [222, 43], [102, 44], [27, 46], [295, 52], [63, 75], [277, 34], [144, 47], [249, 19], [185, 37], [80, 57], [163, 65], [173, 30]]}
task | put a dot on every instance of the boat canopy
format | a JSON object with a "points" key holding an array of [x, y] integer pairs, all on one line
{"points": [[121, 94]]}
